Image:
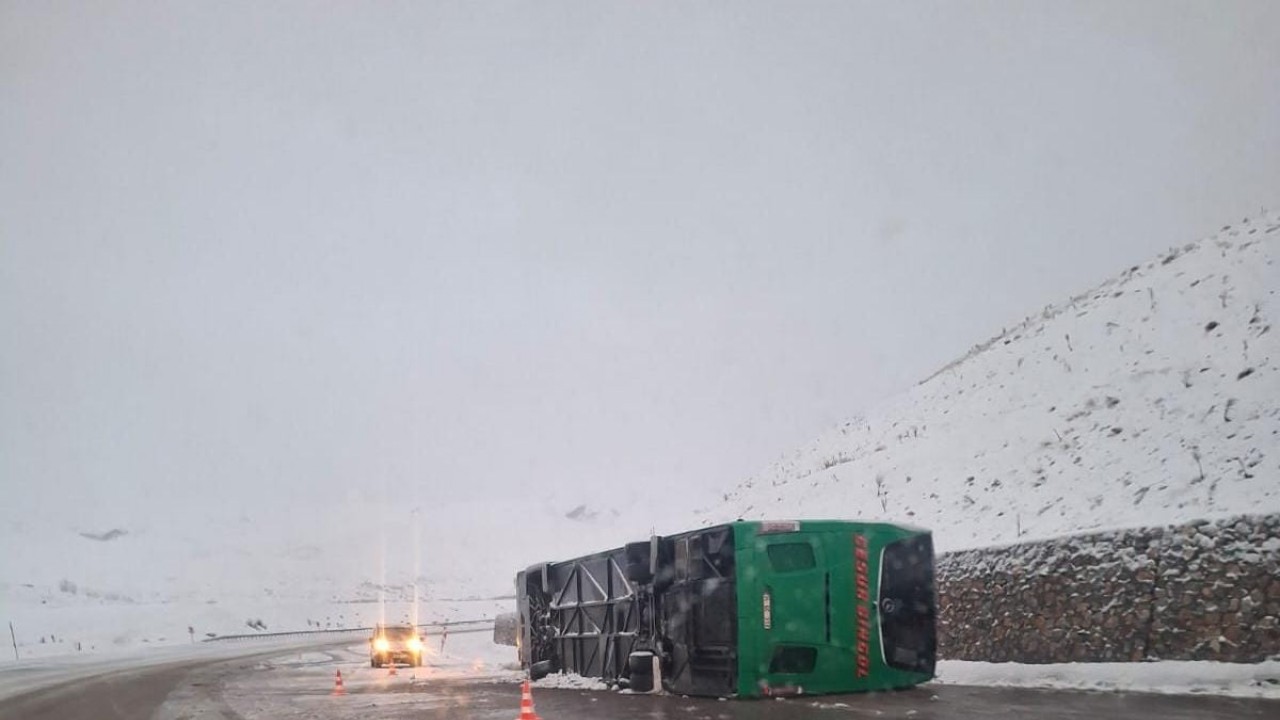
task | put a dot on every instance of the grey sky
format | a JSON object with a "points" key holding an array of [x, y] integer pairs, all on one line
{"points": [[302, 249]]}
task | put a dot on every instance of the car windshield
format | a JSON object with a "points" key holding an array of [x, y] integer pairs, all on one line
{"points": [[920, 358]]}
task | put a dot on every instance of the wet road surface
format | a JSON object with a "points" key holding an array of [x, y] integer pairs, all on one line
{"points": [[299, 685]]}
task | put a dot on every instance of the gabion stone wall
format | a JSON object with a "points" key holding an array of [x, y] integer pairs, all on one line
{"points": [[1208, 590]]}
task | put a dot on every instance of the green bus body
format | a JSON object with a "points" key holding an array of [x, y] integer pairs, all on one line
{"points": [[746, 609], [811, 579]]}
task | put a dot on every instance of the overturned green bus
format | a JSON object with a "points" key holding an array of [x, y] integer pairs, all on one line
{"points": [[746, 609]]}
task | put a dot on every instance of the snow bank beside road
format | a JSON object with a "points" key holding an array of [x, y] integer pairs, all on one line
{"points": [[1260, 680], [55, 626]]}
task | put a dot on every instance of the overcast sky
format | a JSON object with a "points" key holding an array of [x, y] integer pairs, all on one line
{"points": [[300, 250]]}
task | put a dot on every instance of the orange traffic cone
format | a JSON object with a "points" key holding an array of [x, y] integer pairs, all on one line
{"points": [[338, 688], [526, 703], [392, 671]]}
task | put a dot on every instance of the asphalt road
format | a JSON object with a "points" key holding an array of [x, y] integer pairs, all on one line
{"points": [[132, 694], [252, 687]]}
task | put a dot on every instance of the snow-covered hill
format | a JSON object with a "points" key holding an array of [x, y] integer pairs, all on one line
{"points": [[1152, 398]]}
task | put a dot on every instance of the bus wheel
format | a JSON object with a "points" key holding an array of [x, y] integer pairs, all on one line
{"points": [[641, 666]]}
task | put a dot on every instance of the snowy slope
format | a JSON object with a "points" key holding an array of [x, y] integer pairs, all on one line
{"points": [[1128, 405], [1152, 398]]}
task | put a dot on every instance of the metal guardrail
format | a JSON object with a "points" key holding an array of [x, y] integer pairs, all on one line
{"points": [[453, 626]]}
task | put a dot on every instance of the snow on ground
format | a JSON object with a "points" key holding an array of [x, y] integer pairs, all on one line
{"points": [[301, 685], [28, 674], [1152, 398], [1260, 680], [322, 569], [84, 628], [306, 664], [570, 681]]}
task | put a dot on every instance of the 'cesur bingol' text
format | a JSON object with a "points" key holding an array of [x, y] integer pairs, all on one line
{"points": [[863, 587]]}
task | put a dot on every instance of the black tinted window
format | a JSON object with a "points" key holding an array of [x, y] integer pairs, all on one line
{"points": [[793, 659], [789, 557]]}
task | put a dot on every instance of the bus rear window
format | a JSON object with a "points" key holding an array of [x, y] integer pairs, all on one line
{"points": [[793, 659], [790, 557]]}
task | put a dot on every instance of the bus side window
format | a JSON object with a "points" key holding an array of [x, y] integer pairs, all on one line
{"points": [[790, 557], [793, 659]]}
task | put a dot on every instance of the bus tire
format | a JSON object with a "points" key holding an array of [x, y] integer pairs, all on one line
{"points": [[640, 664], [641, 683], [540, 669]]}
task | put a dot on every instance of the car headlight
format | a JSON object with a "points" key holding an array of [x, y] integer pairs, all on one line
{"points": [[381, 645], [415, 644]]}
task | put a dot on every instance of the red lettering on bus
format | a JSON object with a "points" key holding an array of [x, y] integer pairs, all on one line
{"points": [[862, 588]]}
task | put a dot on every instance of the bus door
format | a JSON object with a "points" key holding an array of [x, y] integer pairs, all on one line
{"points": [[795, 589]]}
